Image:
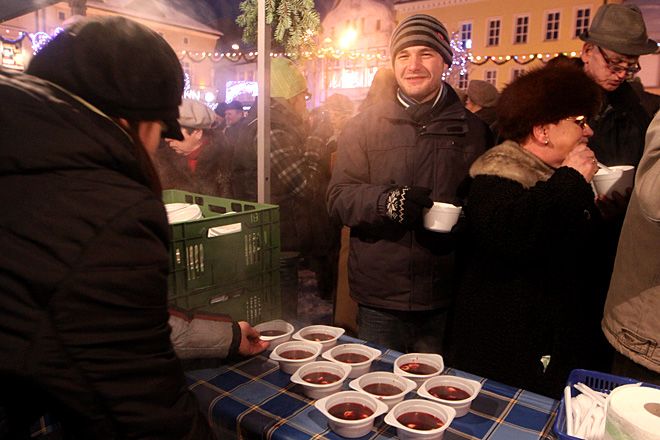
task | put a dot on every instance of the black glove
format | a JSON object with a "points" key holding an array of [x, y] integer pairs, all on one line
{"points": [[405, 204]]}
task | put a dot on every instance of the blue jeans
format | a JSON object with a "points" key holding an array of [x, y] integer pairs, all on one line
{"points": [[406, 332]]}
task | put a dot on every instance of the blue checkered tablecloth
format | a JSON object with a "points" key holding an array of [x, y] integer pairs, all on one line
{"points": [[254, 399]]}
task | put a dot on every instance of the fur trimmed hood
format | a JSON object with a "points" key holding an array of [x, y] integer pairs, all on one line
{"points": [[511, 161]]}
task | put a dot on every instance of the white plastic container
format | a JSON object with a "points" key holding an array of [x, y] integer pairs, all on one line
{"points": [[441, 217], [277, 325], [387, 378], [619, 179], [290, 366], [433, 360], [350, 428], [334, 332], [472, 387], [317, 391], [444, 413], [357, 368]]}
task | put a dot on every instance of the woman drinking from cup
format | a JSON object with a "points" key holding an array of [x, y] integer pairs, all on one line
{"points": [[531, 294]]}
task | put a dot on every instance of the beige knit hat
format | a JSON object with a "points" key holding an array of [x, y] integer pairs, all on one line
{"points": [[482, 93], [286, 80]]}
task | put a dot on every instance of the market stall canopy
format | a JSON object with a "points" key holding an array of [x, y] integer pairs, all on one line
{"points": [[15, 8]]}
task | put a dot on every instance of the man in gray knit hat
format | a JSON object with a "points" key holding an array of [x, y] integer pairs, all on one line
{"points": [[394, 160]]}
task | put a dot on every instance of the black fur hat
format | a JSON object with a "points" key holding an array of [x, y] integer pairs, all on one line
{"points": [[543, 96]]}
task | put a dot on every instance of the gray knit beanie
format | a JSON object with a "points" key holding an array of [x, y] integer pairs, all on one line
{"points": [[421, 30]]}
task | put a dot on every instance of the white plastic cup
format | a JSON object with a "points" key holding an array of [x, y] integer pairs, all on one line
{"points": [[290, 366], [384, 377], [318, 391], [444, 413], [276, 324], [472, 387], [351, 428], [334, 332], [619, 179], [430, 359], [441, 217], [357, 368]]}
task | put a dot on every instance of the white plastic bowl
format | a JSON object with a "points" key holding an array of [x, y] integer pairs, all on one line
{"points": [[384, 377], [182, 212], [290, 366], [618, 180], [351, 428], [335, 332], [472, 387], [431, 359], [317, 391], [441, 217], [276, 324], [444, 413], [357, 368]]}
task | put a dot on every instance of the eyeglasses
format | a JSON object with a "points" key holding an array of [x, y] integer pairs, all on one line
{"points": [[580, 121], [616, 69]]}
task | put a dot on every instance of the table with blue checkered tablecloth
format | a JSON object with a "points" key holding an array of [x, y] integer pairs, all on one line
{"points": [[254, 399]]}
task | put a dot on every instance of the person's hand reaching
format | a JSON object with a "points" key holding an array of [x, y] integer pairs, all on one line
{"points": [[250, 342]]}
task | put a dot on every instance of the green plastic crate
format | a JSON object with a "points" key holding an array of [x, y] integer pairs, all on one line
{"points": [[235, 272]]}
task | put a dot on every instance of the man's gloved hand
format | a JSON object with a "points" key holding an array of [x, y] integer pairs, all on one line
{"points": [[405, 204]]}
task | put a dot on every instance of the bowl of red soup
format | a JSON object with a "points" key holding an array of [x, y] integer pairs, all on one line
{"points": [[320, 378], [388, 387], [350, 414], [292, 355], [276, 332], [456, 392], [419, 367], [420, 419], [325, 335], [358, 356]]}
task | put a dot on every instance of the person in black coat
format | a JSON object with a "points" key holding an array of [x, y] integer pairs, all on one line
{"points": [[532, 293], [84, 331]]}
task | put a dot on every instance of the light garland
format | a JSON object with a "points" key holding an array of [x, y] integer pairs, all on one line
{"points": [[40, 39]]}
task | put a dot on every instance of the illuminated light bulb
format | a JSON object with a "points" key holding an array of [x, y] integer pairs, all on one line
{"points": [[573, 54], [508, 57]]}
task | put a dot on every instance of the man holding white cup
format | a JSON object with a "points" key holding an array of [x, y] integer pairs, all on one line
{"points": [[393, 160]]}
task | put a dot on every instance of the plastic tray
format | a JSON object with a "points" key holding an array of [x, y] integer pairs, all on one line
{"points": [[595, 380]]}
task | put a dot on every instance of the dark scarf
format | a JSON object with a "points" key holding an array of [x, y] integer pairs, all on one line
{"points": [[422, 112]]}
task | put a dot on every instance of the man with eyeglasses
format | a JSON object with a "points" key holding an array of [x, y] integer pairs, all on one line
{"points": [[613, 44]]}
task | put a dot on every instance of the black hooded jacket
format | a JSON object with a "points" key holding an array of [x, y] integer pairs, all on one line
{"points": [[83, 307]]}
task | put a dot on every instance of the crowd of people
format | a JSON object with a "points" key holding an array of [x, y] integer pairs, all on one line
{"points": [[539, 276]]}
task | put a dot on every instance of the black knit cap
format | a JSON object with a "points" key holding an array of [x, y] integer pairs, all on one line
{"points": [[421, 30], [118, 65], [545, 96]]}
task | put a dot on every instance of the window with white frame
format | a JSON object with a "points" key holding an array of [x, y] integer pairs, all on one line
{"points": [[494, 31], [490, 76], [552, 25], [515, 73], [466, 35], [521, 30], [463, 81], [582, 18]]}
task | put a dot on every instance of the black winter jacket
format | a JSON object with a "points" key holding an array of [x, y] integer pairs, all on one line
{"points": [[536, 277], [619, 128], [390, 266], [84, 328]]}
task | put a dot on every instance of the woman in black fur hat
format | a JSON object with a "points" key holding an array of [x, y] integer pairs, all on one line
{"points": [[532, 294]]}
